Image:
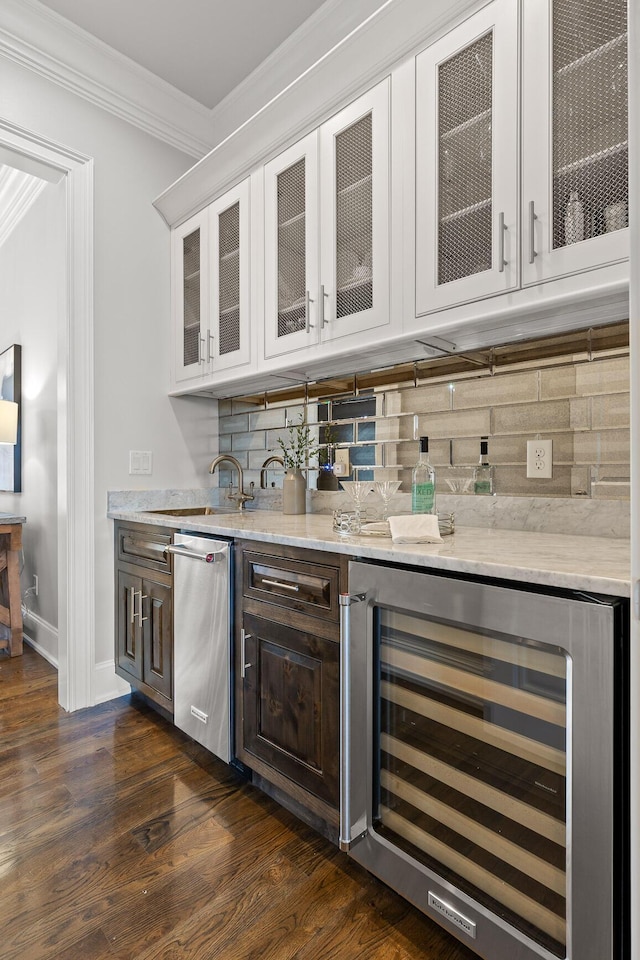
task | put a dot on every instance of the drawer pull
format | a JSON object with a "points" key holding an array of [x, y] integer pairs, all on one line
{"points": [[285, 586]]}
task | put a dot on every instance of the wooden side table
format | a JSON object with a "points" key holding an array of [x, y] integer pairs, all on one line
{"points": [[10, 599]]}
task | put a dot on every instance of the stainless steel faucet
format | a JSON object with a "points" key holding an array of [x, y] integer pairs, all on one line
{"points": [[240, 497], [263, 469]]}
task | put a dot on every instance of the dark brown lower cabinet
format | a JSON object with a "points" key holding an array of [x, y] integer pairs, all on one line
{"points": [[287, 674], [144, 618], [291, 705]]}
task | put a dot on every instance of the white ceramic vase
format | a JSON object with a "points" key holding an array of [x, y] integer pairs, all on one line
{"points": [[294, 492]]}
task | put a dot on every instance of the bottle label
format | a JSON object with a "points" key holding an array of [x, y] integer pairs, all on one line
{"points": [[482, 486], [423, 498]]}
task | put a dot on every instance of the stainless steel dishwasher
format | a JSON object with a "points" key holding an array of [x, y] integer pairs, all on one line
{"points": [[202, 640]]}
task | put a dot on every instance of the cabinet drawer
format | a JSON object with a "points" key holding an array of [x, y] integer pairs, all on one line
{"points": [[144, 546], [308, 587]]}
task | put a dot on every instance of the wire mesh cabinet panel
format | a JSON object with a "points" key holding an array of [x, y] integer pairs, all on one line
{"points": [[190, 296], [575, 158], [291, 248], [228, 335], [354, 179], [467, 161]]}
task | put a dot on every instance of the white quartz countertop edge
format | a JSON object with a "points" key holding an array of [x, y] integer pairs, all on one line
{"points": [[590, 564]]}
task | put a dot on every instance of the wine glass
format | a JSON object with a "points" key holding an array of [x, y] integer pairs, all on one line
{"points": [[386, 489], [358, 491]]}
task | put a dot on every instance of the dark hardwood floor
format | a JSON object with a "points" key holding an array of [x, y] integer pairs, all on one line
{"points": [[122, 838]]}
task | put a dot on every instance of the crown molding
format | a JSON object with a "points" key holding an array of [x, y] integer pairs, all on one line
{"points": [[41, 40], [18, 192], [325, 28], [359, 59]]}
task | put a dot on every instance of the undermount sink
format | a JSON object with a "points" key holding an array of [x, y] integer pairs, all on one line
{"points": [[185, 511]]}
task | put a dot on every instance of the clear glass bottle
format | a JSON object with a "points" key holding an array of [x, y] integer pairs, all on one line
{"points": [[423, 482], [483, 474], [574, 219]]}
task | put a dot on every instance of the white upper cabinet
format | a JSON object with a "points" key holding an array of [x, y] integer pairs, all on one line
{"points": [[575, 186], [327, 230], [228, 343], [190, 295], [291, 229], [211, 288], [467, 161]]}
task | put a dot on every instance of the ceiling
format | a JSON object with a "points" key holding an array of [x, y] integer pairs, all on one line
{"points": [[204, 48]]}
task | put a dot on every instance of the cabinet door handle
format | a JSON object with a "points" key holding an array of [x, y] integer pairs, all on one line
{"points": [[200, 349], [132, 605], [209, 343], [501, 229], [245, 666], [323, 319], [134, 594], [285, 586], [307, 312], [532, 235]]}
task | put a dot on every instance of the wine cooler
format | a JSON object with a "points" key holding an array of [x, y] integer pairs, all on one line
{"points": [[484, 758]]}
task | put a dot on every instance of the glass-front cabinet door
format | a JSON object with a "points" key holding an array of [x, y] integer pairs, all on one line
{"points": [[291, 248], [575, 156], [354, 216], [467, 161], [190, 296], [228, 338]]}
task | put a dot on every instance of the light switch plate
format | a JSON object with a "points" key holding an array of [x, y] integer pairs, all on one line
{"points": [[540, 459], [140, 462]]}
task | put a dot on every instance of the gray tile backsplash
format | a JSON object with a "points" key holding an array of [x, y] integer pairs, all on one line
{"points": [[582, 405]]}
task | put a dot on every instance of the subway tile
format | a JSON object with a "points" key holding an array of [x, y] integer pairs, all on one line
{"points": [[224, 408], [580, 413], [513, 481], [224, 443], [295, 413], [511, 450], [557, 382], [602, 446], [609, 375], [426, 399], [510, 388], [456, 423], [249, 441], [236, 424], [552, 415], [611, 412], [245, 406], [580, 481], [267, 419]]}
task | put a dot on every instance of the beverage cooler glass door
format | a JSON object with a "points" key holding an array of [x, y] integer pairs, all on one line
{"points": [[478, 746]]}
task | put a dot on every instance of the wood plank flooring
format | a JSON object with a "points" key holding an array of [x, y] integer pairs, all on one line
{"points": [[120, 838]]}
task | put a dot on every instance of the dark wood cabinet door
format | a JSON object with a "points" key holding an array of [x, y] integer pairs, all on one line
{"points": [[129, 637], [291, 704], [157, 637]]}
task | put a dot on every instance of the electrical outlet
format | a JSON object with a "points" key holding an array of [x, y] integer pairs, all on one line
{"points": [[341, 466], [540, 459]]}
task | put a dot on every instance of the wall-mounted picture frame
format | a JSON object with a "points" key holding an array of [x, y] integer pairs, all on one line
{"points": [[11, 389]]}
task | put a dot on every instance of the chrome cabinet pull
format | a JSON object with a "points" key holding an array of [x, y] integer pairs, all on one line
{"points": [[134, 594], [345, 602], [210, 339], [278, 583], [501, 229], [307, 312], [244, 666], [323, 320], [532, 236], [200, 349], [132, 605]]}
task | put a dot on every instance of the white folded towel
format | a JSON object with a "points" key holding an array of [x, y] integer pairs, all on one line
{"points": [[416, 528]]}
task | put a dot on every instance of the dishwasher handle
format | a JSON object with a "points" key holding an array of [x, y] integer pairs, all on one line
{"points": [[186, 552]]}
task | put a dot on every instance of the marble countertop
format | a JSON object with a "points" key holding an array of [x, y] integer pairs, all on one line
{"points": [[592, 564], [11, 518]]}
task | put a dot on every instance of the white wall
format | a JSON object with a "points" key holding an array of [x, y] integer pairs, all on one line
{"points": [[131, 314], [31, 289]]}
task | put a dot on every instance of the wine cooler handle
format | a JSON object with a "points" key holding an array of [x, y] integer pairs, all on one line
{"points": [[346, 600], [532, 231], [501, 229]]}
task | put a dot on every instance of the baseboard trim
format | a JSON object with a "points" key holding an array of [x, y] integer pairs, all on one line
{"points": [[45, 628], [106, 685]]}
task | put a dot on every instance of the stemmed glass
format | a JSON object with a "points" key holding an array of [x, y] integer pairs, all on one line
{"points": [[386, 489], [358, 491]]}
